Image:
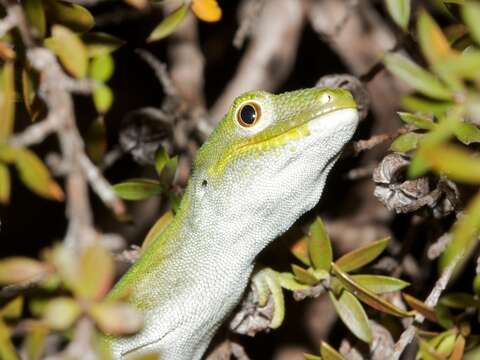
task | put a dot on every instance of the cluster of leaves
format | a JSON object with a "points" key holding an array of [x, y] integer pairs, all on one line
{"points": [[68, 289]]}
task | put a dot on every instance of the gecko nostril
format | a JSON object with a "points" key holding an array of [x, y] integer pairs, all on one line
{"points": [[204, 183]]}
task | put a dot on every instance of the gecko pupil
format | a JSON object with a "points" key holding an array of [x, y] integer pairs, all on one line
{"points": [[248, 114]]}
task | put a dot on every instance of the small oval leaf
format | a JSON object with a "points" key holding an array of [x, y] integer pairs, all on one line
{"points": [[61, 313], [319, 246], [168, 25], [116, 319], [138, 189], [362, 256], [380, 284]]}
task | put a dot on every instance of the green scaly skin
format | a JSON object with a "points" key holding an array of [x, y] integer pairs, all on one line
{"points": [[248, 186]]}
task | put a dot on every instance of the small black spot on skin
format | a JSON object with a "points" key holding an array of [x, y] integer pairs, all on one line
{"points": [[248, 114], [204, 183]]}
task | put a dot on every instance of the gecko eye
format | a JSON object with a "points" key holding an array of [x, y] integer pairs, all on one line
{"points": [[249, 114], [327, 98]]}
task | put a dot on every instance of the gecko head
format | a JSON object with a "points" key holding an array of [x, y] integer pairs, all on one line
{"points": [[275, 149]]}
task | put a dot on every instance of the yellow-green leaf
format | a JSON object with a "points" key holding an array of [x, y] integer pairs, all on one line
{"points": [[36, 16], [75, 17], [99, 43], [368, 296], [158, 228], [207, 10], [420, 307], [362, 256], [18, 269], [419, 121], [459, 300], [161, 160], [319, 246], [7, 100], [406, 142], [329, 353], [138, 189], [34, 174], [353, 315], [4, 184], [169, 24], [304, 276], [101, 67], [418, 78], [102, 98], [288, 281], [70, 50], [13, 309], [471, 16], [300, 250], [380, 284], [35, 341], [116, 318], [7, 350], [311, 357], [96, 140], [415, 103], [399, 10], [467, 133], [61, 313]]}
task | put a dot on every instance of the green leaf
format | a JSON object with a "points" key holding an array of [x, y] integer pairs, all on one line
{"points": [[299, 249], [96, 140], [13, 309], [70, 50], [399, 10], [161, 160], [454, 162], [304, 276], [73, 16], [36, 16], [169, 24], [420, 79], [116, 319], [444, 342], [406, 142], [101, 67], [467, 133], [319, 246], [18, 269], [362, 256], [420, 122], [169, 171], [311, 357], [459, 300], [353, 315], [476, 284], [102, 98], [99, 43], [288, 281], [471, 15], [4, 184], [138, 189], [35, 341], [420, 307], [35, 175], [7, 100], [414, 103], [329, 353], [7, 350], [368, 296], [61, 313], [158, 228], [380, 284], [95, 273]]}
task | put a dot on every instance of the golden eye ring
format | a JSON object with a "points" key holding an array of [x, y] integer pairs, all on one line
{"points": [[248, 114]]}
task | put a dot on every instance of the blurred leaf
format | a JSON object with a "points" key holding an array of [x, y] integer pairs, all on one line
{"points": [[169, 24], [207, 10], [288, 281], [444, 342], [4, 184], [36, 16], [7, 350], [61, 313], [300, 250], [161, 160], [433, 43], [476, 284], [70, 50], [463, 66], [406, 142], [116, 318], [29, 89], [444, 316], [467, 133], [454, 162], [138, 189], [414, 103], [471, 15], [304, 276], [329, 353], [158, 228], [8, 153], [399, 10], [420, 122], [367, 296], [311, 357], [420, 79], [459, 300], [353, 315], [169, 171], [7, 100], [95, 275], [420, 307], [102, 98], [101, 67], [319, 246], [458, 349], [64, 259], [362, 256], [380, 284], [96, 140], [427, 352], [35, 341], [34, 174], [18, 269], [99, 43], [13, 309], [75, 17]]}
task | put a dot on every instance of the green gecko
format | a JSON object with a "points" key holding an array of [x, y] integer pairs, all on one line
{"points": [[264, 165]]}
